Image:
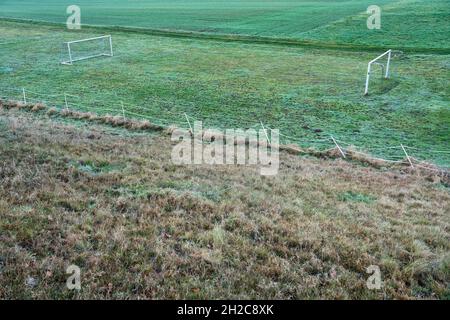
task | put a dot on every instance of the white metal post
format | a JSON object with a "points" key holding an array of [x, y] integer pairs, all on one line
{"points": [[65, 100], [407, 156], [387, 64], [110, 45], [189, 123], [123, 111], [265, 132], [70, 53], [366, 92], [339, 148], [24, 96]]}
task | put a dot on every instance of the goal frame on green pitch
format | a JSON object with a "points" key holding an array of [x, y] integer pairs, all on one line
{"points": [[68, 45], [385, 69]]}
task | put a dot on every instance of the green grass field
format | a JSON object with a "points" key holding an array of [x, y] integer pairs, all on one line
{"points": [[405, 23], [309, 94]]}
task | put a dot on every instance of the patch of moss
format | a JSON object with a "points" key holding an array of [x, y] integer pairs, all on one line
{"points": [[96, 167], [351, 196]]}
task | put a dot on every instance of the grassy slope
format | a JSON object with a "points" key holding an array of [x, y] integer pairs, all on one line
{"points": [[297, 90], [405, 23], [138, 226]]}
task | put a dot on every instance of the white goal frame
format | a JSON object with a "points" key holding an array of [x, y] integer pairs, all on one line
{"points": [[384, 69], [71, 60]]}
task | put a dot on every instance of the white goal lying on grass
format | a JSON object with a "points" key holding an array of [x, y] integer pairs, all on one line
{"points": [[384, 68], [78, 50]]}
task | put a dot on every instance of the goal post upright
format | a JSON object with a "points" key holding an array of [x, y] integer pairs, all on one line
{"points": [[388, 64], [70, 53], [366, 91], [374, 61], [110, 46]]}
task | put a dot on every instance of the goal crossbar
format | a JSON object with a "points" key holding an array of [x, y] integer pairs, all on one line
{"points": [[72, 60], [385, 69]]}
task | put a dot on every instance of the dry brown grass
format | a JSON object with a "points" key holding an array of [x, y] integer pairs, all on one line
{"points": [[116, 121], [140, 227]]}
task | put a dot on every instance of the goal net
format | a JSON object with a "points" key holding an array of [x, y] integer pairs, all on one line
{"points": [[78, 50], [383, 62]]}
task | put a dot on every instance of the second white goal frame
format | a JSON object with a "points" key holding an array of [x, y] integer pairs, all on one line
{"points": [[385, 69], [69, 50]]}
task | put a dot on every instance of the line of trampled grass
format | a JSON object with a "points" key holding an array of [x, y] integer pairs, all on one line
{"points": [[237, 38]]}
